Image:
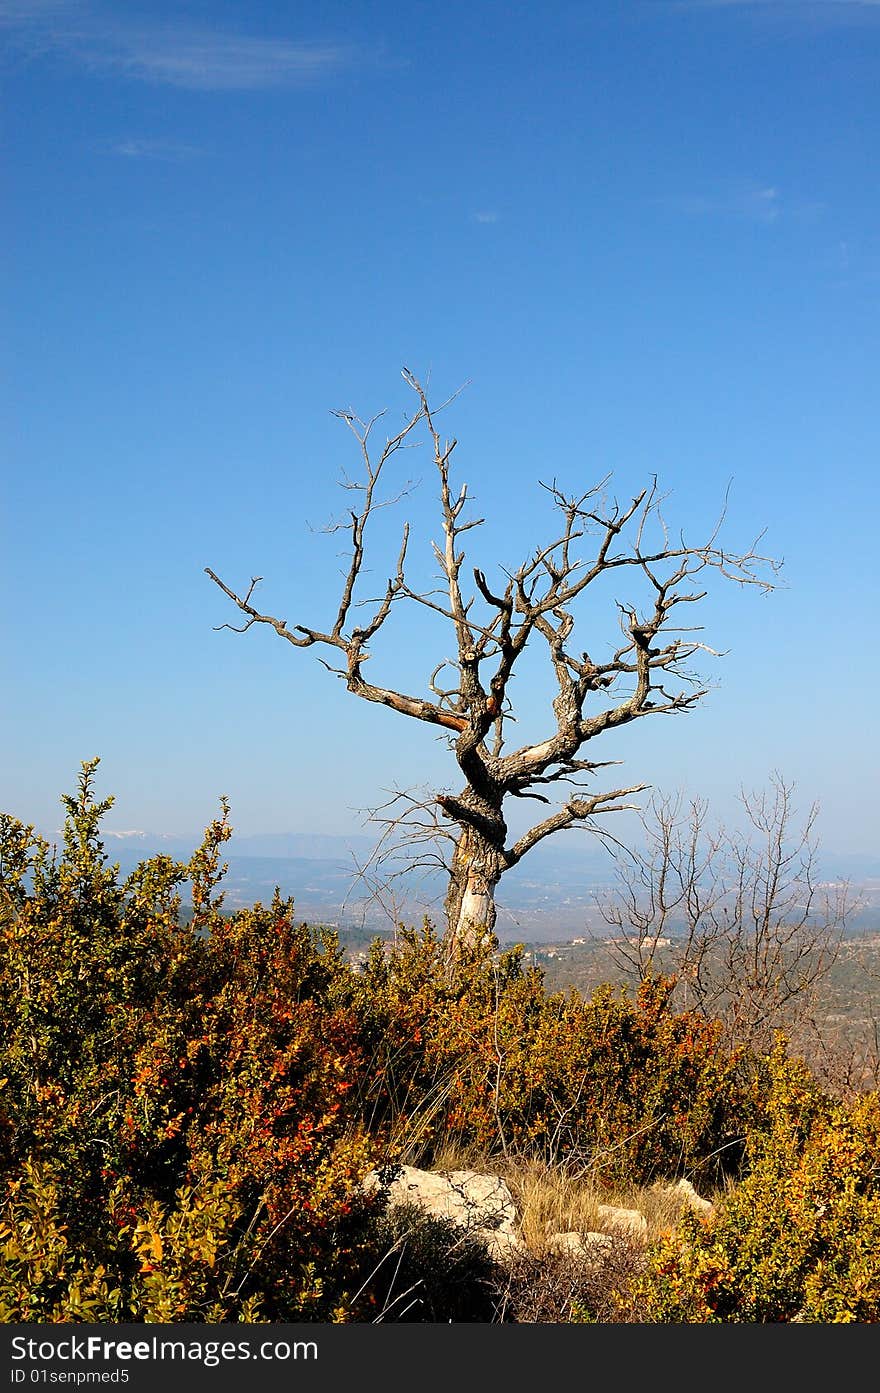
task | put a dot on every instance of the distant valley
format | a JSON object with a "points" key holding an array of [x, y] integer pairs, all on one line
{"points": [[550, 897]]}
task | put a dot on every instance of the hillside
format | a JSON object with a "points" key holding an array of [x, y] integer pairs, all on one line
{"points": [[194, 1100]]}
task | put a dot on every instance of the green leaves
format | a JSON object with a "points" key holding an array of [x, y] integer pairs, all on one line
{"points": [[187, 1110], [798, 1240]]}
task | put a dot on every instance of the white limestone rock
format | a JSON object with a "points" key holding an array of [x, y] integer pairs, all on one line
{"points": [[683, 1192], [626, 1222], [586, 1246], [480, 1204]]}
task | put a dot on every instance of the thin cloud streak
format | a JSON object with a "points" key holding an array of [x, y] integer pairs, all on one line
{"points": [[200, 60], [210, 62], [756, 204], [168, 150]]}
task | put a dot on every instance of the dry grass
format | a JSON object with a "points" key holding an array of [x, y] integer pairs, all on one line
{"points": [[539, 1285], [550, 1200]]}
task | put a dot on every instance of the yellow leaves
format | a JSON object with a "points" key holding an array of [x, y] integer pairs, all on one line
{"points": [[799, 1238], [148, 1243]]}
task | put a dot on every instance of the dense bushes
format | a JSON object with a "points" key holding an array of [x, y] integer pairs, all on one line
{"points": [[173, 1114], [799, 1238], [489, 1059], [187, 1111]]}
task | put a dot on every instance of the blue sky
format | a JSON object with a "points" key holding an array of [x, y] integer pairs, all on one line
{"points": [[645, 234]]}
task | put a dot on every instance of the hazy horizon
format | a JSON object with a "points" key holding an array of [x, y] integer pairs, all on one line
{"points": [[572, 850]]}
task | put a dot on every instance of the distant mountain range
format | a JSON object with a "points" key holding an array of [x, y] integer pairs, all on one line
{"points": [[551, 892], [550, 895], [558, 855], [312, 846]]}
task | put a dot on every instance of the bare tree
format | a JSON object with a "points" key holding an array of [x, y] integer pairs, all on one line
{"points": [[740, 918], [645, 672], [663, 909]]}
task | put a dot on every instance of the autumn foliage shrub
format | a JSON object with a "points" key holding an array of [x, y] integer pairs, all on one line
{"points": [[485, 1057], [799, 1238], [188, 1108], [173, 1115]]}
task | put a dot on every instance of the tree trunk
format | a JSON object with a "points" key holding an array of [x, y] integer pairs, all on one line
{"points": [[477, 865]]}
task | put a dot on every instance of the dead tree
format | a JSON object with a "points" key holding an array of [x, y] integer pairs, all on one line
{"points": [[739, 917], [492, 622], [664, 908]]}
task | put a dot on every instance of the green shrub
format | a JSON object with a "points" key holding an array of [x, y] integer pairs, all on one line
{"points": [[799, 1238], [172, 1085], [187, 1110], [489, 1060]]}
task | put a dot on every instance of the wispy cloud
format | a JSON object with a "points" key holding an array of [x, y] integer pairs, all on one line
{"points": [[166, 150], [212, 62], [168, 52], [486, 216], [751, 204], [757, 203]]}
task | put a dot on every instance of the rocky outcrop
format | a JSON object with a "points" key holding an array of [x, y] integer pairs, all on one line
{"points": [[481, 1204], [627, 1223], [590, 1247], [683, 1194]]}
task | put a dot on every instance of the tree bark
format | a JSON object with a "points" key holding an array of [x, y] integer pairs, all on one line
{"points": [[478, 863]]}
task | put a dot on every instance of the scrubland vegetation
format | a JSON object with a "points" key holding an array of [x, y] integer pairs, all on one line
{"points": [[189, 1105]]}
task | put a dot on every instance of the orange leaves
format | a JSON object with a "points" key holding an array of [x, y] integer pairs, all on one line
{"points": [[497, 1062], [208, 1101]]}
